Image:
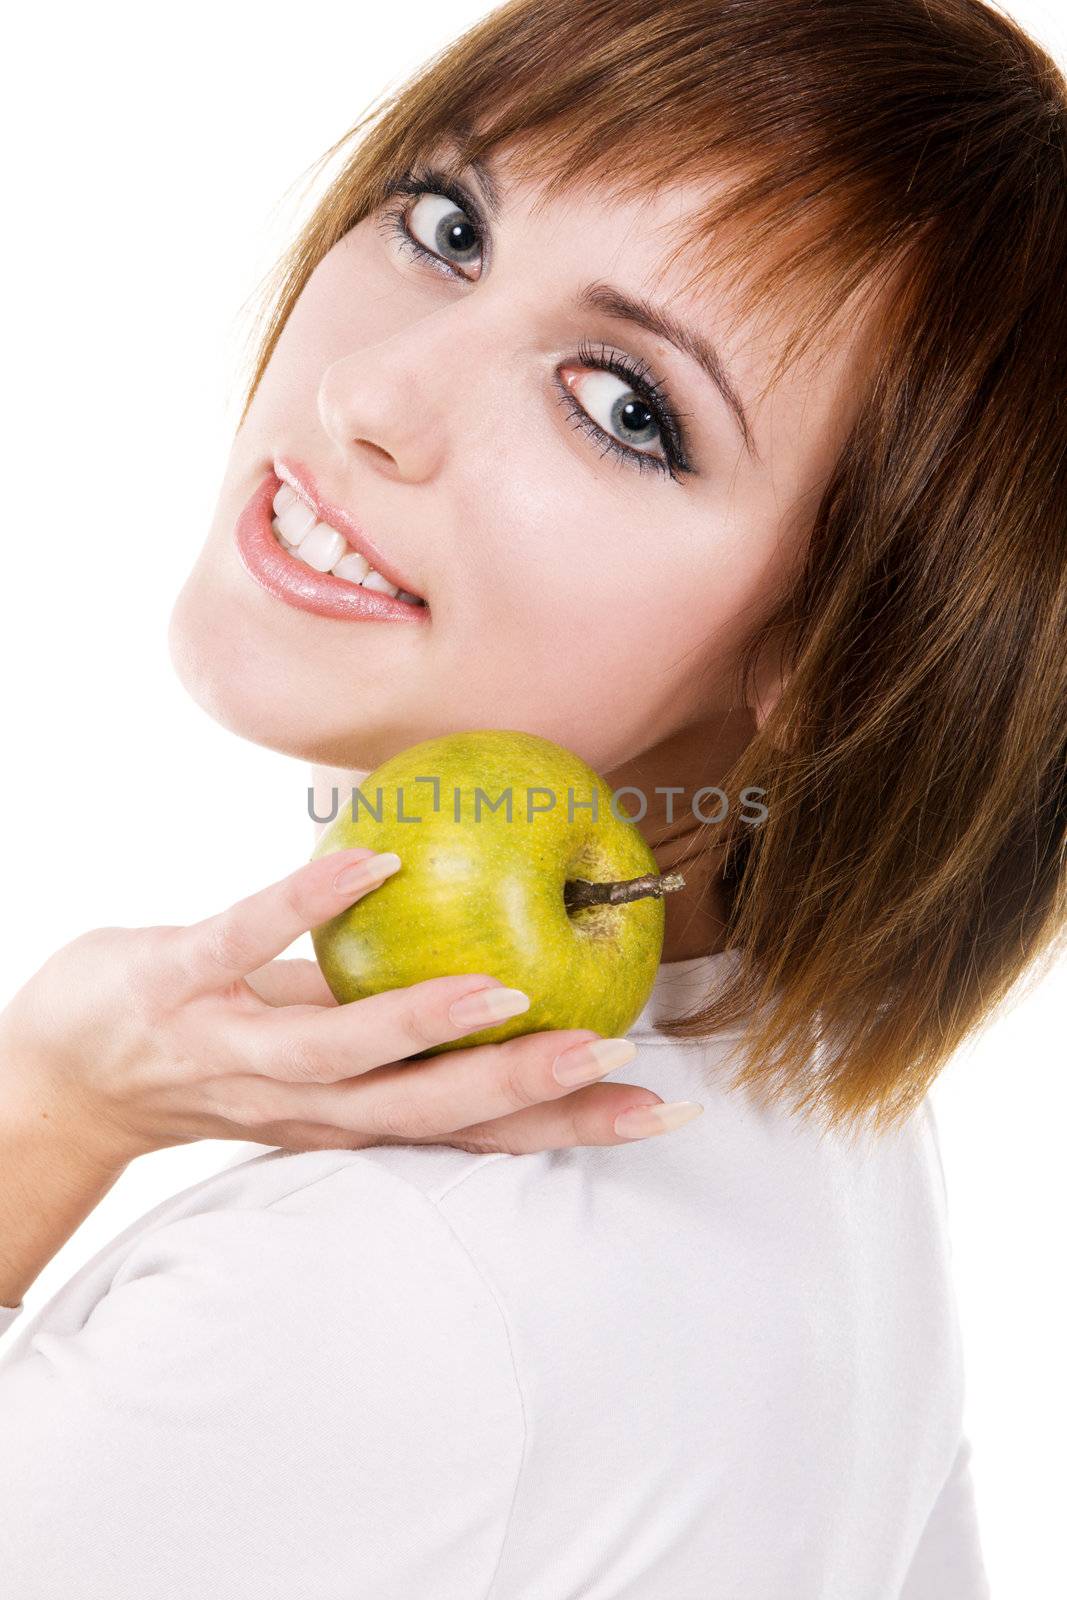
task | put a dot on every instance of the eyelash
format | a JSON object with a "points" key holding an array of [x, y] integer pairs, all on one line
{"points": [[631, 370]]}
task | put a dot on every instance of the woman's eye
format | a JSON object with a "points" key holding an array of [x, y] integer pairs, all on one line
{"points": [[437, 224], [616, 408]]}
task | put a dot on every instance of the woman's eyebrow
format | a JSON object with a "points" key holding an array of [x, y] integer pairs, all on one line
{"points": [[493, 198], [615, 302], [453, 158]]}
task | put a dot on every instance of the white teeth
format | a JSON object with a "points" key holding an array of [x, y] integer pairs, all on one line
{"points": [[374, 580], [321, 547], [283, 498], [295, 521], [352, 566]]}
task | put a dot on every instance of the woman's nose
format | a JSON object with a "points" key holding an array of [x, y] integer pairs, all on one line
{"points": [[373, 408]]}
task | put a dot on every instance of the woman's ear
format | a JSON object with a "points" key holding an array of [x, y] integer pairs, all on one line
{"points": [[765, 704], [767, 683]]}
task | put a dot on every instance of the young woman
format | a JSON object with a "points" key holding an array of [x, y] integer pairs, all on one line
{"points": [[682, 384]]}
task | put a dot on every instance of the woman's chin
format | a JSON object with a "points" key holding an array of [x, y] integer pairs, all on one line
{"points": [[255, 698], [235, 691]]}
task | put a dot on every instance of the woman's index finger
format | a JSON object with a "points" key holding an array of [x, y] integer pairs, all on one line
{"points": [[253, 931]]}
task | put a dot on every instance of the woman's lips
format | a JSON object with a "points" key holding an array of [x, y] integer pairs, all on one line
{"points": [[288, 579]]}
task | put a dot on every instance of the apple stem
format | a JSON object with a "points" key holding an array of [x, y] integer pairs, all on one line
{"points": [[580, 892]]}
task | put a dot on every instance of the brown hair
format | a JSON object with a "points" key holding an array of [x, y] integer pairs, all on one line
{"points": [[911, 867]]}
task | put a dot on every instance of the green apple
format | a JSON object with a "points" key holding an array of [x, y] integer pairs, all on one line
{"points": [[556, 899]]}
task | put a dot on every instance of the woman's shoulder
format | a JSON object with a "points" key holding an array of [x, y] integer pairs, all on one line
{"points": [[296, 1361], [294, 1288], [325, 1240]]}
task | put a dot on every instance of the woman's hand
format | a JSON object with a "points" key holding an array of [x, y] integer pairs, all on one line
{"points": [[136, 1039]]}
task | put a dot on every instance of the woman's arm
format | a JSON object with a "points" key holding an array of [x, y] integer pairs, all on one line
{"points": [[50, 1180]]}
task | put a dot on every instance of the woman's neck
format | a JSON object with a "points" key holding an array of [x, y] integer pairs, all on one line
{"points": [[324, 780], [693, 759]]}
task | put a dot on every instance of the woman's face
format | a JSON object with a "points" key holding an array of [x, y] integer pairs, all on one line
{"points": [[593, 548]]}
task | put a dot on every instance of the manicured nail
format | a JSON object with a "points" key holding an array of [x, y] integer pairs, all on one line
{"points": [[640, 1122], [366, 874], [585, 1063], [488, 1005]]}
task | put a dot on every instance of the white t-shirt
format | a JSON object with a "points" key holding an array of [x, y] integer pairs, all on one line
{"points": [[719, 1364]]}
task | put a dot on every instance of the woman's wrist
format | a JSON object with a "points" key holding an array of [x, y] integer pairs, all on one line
{"points": [[54, 1171]]}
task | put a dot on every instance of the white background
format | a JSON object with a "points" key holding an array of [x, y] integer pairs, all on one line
{"points": [[153, 163]]}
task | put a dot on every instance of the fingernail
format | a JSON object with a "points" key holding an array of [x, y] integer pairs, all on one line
{"points": [[639, 1122], [488, 1005], [365, 874], [585, 1063]]}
